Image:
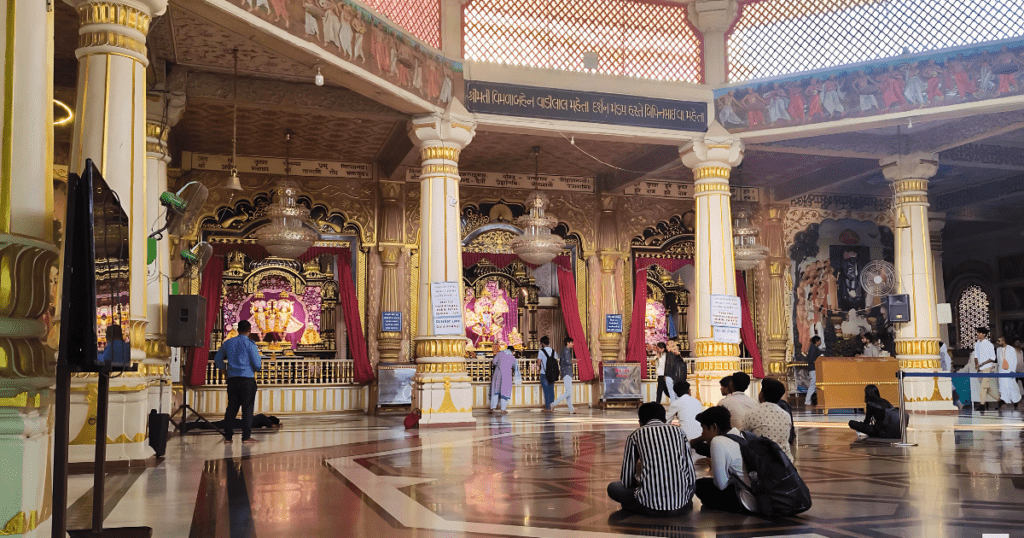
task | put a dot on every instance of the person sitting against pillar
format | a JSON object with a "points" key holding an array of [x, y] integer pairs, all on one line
{"points": [[737, 402], [881, 419], [657, 477]]}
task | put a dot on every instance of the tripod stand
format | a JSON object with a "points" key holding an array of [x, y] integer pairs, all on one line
{"points": [[185, 408]]}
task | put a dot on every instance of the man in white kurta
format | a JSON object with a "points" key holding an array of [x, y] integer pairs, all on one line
{"points": [[1006, 359], [985, 354]]}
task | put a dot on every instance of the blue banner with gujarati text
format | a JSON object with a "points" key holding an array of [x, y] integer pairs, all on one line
{"points": [[594, 107]]}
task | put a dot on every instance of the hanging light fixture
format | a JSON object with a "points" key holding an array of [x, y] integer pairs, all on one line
{"points": [[287, 235], [748, 253], [234, 183], [537, 245]]}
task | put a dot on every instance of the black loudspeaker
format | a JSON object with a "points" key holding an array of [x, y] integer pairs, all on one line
{"points": [[158, 425], [186, 321], [898, 307]]}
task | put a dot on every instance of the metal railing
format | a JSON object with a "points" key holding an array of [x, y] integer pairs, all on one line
{"points": [[294, 371]]}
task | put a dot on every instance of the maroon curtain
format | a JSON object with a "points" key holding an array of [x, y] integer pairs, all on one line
{"points": [[573, 325], [258, 253], [354, 327], [209, 288], [747, 332], [670, 264], [502, 260], [636, 350]]}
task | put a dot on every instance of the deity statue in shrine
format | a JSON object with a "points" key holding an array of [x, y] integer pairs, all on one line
{"points": [[485, 315], [655, 328], [310, 336]]}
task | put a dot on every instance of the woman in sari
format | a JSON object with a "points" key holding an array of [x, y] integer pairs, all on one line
{"points": [[502, 378]]}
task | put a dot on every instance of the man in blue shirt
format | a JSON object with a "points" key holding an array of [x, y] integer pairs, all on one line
{"points": [[243, 360]]}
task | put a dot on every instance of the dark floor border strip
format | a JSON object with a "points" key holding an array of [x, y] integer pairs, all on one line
{"points": [[115, 486], [239, 508]]}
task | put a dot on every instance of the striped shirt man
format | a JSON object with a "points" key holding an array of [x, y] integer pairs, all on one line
{"points": [[666, 477]]}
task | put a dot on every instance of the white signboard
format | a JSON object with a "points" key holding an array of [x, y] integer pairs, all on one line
{"points": [[726, 335], [268, 165], [726, 311], [517, 181], [672, 189], [447, 308]]}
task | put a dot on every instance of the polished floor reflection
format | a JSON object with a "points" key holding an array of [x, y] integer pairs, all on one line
{"points": [[530, 475]]}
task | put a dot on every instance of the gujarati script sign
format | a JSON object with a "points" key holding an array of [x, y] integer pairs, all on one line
{"points": [[672, 189], [447, 308], [270, 165], [516, 181], [570, 105]]}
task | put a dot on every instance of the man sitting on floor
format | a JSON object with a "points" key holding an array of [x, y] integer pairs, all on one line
{"points": [[686, 408], [768, 419], [720, 491], [737, 402], [657, 470]]}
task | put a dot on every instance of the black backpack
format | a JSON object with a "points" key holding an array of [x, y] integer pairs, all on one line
{"points": [[551, 368], [774, 482]]}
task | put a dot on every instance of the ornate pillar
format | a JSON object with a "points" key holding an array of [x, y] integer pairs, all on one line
{"points": [[609, 257], [936, 222], [778, 314], [712, 159], [713, 18], [391, 245], [110, 126], [28, 266], [443, 389], [917, 342]]}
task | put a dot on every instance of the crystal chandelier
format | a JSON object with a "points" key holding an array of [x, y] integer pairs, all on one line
{"points": [[537, 245], [286, 236], [747, 252]]}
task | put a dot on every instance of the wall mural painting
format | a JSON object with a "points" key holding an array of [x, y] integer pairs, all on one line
{"points": [[828, 300], [355, 35], [896, 85]]}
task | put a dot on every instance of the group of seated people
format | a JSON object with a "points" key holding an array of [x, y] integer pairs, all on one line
{"points": [[658, 476]]}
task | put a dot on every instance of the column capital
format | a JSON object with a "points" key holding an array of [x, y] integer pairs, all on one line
{"points": [[119, 9], [913, 166], [116, 26], [454, 128], [713, 16], [716, 150]]}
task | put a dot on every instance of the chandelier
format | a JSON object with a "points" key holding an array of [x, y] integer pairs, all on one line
{"points": [[747, 251], [537, 245], [286, 236]]}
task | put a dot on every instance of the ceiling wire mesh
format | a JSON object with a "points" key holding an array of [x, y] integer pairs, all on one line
{"points": [[778, 37], [636, 39], [421, 18]]}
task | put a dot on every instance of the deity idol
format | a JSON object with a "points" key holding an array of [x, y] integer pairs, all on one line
{"points": [[485, 317]]}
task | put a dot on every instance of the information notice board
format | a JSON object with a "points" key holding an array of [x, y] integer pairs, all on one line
{"points": [[447, 308]]}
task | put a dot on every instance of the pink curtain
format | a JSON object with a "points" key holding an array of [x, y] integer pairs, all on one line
{"points": [[209, 288], [747, 332], [573, 325], [670, 264], [510, 319], [353, 326], [636, 351]]}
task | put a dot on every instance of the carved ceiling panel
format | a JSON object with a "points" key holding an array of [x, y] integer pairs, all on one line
{"points": [[206, 128]]}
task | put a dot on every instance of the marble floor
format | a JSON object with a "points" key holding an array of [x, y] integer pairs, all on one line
{"points": [[529, 475]]}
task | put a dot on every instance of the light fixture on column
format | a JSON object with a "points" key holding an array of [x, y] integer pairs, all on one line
{"points": [[537, 245], [319, 78], [234, 183], [287, 235], [748, 253]]}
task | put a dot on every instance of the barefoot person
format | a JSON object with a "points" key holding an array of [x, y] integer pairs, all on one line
{"points": [[243, 360]]}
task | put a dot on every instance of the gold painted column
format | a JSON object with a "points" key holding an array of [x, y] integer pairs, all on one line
{"points": [[778, 315], [917, 342], [443, 389], [28, 266], [712, 159], [609, 256], [391, 245]]}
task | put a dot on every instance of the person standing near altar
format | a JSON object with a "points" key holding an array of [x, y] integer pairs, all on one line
{"points": [[501, 380], [547, 386], [565, 365], [242, 359]]}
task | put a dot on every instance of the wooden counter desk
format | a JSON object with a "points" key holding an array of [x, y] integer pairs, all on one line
{"points": [[841, 380]]}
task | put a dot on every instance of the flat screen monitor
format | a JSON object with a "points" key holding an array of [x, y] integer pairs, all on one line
{"points": [[96, 275]]}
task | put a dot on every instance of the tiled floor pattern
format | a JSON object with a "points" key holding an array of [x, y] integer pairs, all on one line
{"points": [[528, 475]]}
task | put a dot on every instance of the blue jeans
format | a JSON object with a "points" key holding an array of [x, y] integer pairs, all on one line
{"points": [[549, 391]]}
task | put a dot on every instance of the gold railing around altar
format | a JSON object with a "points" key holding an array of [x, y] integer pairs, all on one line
{"points": [[746, 366], [294, 372], [479, 370]]}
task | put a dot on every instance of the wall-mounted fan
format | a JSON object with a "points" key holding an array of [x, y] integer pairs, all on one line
{"points": [[878, 278], [183, 208], [196, 259]]}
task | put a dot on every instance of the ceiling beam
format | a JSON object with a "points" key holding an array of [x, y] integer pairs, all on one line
{"points": [[1000, 190], [828, 176], [395, 149], [984, 156]]}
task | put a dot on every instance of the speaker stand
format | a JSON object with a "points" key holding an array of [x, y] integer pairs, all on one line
{"points": [[184, 409]]}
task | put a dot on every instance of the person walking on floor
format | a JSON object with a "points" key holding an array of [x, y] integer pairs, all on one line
{"points": [[811, 357], [1006, 359], [243, 360], [657, 477], [502, 379], [985, 355], [660, 370], [547, 386], [565, 367]]}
